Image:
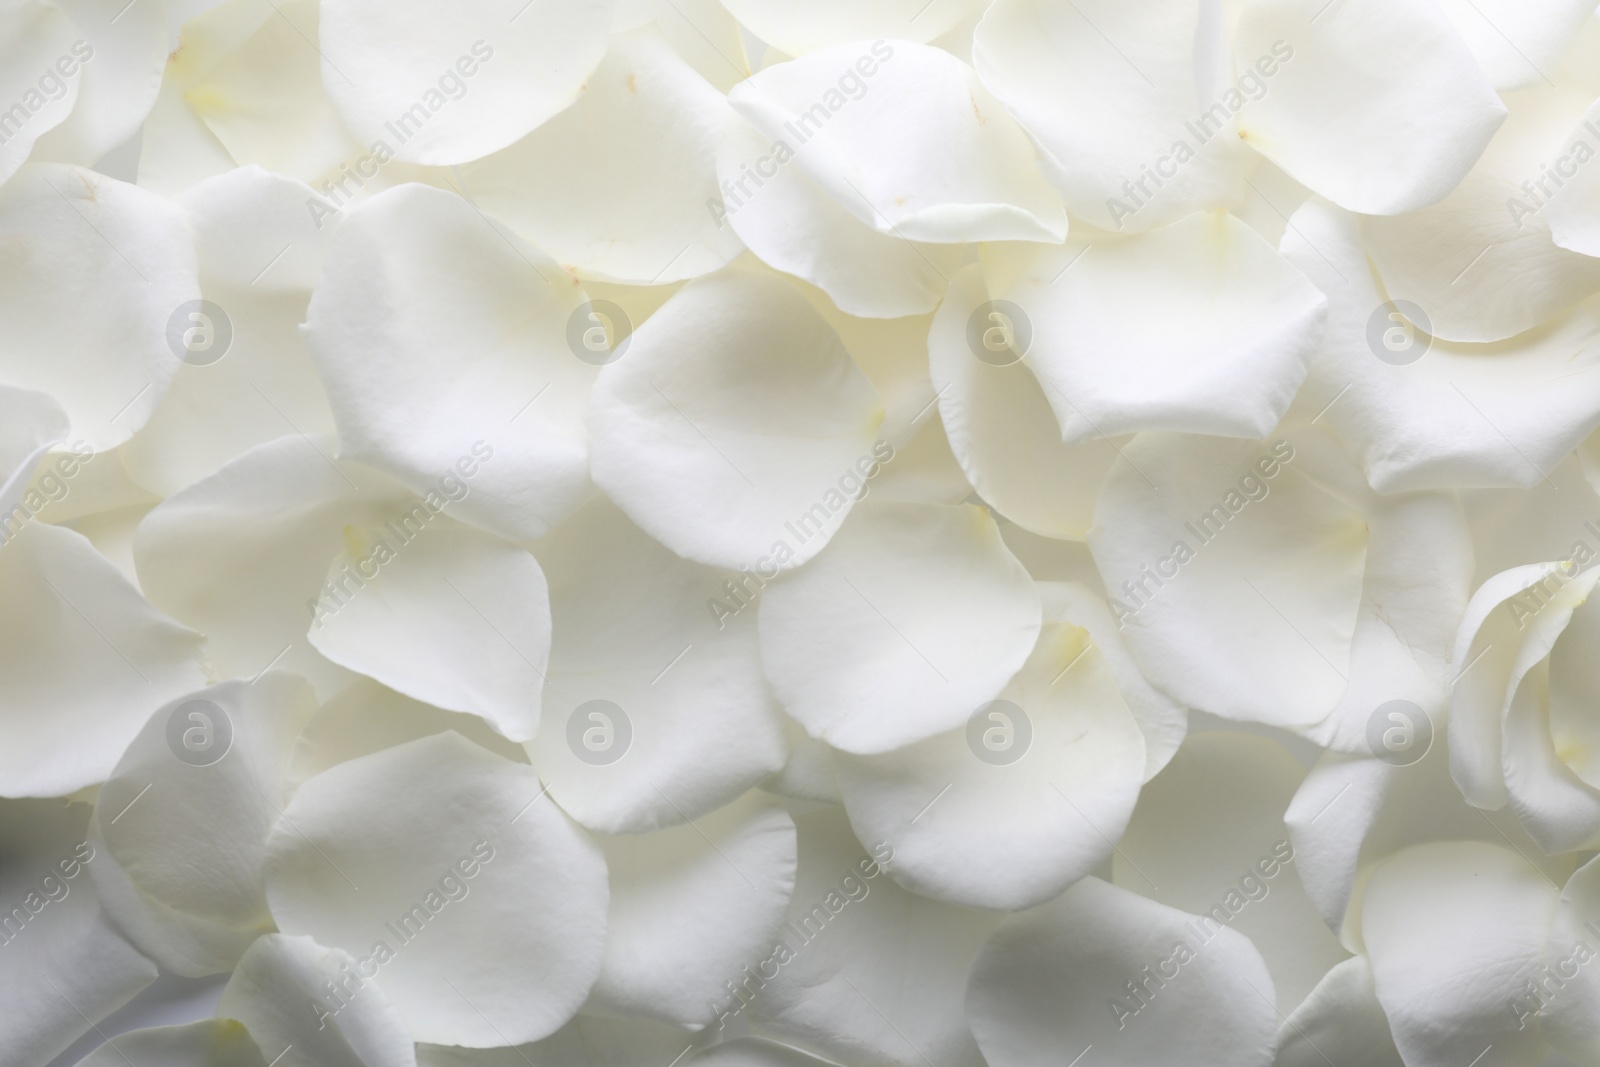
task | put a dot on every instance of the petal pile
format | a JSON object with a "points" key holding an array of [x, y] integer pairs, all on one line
{"points": [[799, 533]]}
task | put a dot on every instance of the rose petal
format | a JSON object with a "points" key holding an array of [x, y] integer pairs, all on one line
{"points": [[1050, 982], [207, 1043], [36, 34], [506, 71], [1003, 430], [1021, 801], [118, 84], [762, 427], [932, 157], [1208, 838], [1436, 911], [846, 985], [63, 965], [581, 200], [1340, 1018], [260, 254], [243, 554], [373, 857], [1423, 413], [690, 906], [86, 659], [799, 26], [449, 615], [1114, 94], [366, 717], [1225, 356], [1517, 45], [915, 616], [791, 222], [1379, 106], [184, 821], [1482, 262], [685, 721], [473, 330], [280, 991], [93, 271]]}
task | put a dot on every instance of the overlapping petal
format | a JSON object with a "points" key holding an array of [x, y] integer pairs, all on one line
{"points": [[836, 982], [1100, 967], [39, 96], [1377, 105], [1208, 838], [868, 121], [94, 270], [771, 426], [914, 617], [1025, 798], [792, 224], [586, 200], [63, 965], [184, 820], [249, 379], [123, 53], [243, 555], [443, 871], [278, 989], [449, 615], [464, 321], [1482, 262], [207, 1043], [1003, 428], [86, 661], [655, 707], [1225, 356], [797, 26], [691, 907], [1124, 102], [1277, 560], [1494, 918], [1423, 413], [454, 85]]}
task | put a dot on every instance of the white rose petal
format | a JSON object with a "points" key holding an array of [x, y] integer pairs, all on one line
{"points": [[443, 870], [1050, 981], [86, 660], [735, 365], [914, 617], [580, 199], [447, 86]]}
